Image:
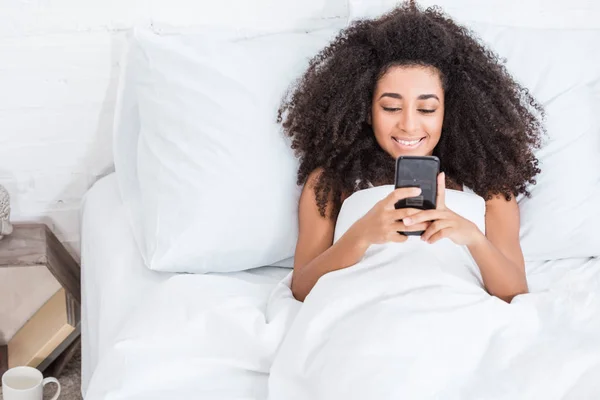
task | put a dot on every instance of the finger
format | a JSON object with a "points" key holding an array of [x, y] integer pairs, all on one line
{"points": [[441, 191], [444, 233], [434, 228], [427, 215], [402, 193], [400, 227], [397, 238], [402, 213]]}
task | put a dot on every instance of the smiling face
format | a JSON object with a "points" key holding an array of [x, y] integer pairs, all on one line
{"points": [[408, 110]]}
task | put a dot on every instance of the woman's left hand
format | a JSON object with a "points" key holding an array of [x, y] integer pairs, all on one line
{"points": [[446, 223]]}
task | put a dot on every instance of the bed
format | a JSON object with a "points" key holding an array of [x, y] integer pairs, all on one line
{"points": [[156, 335]]}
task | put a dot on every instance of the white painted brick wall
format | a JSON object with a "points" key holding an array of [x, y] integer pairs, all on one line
{"points": [[56, 108], [59, 64]]}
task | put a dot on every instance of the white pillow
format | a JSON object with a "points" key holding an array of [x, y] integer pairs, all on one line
{"points": [[214, 188], [562, 70], [561, 67]]}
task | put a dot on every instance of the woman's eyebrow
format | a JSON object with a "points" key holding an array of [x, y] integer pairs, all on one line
{"points": [[428, 96], [399, 96], [392, 95]]}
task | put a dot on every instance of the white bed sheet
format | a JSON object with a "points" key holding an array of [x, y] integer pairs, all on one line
{"points": [[150, 335], [118, 290]]}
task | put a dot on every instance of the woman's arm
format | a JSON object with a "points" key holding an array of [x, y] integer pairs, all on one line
{"points": [[316, 254], [498, 253]]}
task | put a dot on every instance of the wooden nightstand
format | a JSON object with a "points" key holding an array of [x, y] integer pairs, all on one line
{"points": [[40, 298]]}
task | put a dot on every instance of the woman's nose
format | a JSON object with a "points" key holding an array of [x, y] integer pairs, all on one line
{"points": [[407, 121]]}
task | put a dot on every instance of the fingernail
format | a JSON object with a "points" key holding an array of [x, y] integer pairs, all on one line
{"points": [[407, 221]]}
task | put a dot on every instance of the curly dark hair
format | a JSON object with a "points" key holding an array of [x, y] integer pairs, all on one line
{"points": [[491, 124]]}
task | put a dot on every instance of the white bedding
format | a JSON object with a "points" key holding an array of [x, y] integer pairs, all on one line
{"points": [[412, 321], [140, 327], [150, 335]]}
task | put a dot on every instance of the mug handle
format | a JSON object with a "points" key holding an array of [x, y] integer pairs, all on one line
{"points": [[52, 380]]}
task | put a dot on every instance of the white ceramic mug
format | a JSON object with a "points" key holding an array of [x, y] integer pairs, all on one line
{"points": [[26, 383]]}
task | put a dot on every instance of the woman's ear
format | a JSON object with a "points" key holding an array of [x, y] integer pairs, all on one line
{"points": [[369, 120]]}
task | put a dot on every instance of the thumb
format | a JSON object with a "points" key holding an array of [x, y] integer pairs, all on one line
{"points": [[441, 191]]}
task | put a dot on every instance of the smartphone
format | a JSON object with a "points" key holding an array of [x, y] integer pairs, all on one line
{"points": [[421, 172]]}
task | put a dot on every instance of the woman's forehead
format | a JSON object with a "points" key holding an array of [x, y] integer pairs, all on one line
{"points": [[410, 79]]}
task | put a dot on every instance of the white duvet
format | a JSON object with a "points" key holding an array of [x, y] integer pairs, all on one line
{"points": [[412, 321]]}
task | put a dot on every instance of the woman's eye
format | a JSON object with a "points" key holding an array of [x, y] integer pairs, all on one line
{"points": [[391, 109], [426, 111]]}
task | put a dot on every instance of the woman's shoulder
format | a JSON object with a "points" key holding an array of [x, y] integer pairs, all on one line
{"points": [[313, 178], [313, 192]]}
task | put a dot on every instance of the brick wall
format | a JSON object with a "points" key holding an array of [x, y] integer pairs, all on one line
{"points": [[58, 75]]}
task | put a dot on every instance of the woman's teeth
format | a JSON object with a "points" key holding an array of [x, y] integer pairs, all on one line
{"points": [[408, 143]]}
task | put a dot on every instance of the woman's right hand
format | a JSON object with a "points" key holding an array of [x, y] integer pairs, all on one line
{"points": [[383, 222]]}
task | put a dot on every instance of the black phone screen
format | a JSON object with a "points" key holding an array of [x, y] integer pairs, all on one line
{"points": [[419, 172]]}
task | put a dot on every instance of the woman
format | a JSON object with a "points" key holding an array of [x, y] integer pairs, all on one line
{"points": [[411, 82]]}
